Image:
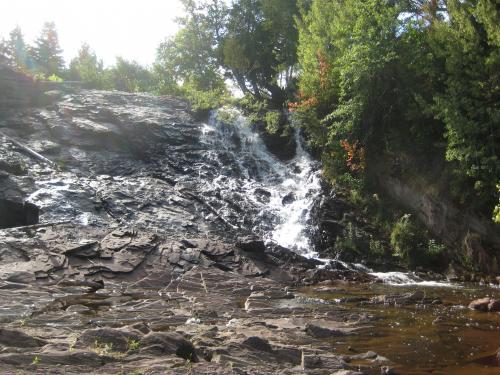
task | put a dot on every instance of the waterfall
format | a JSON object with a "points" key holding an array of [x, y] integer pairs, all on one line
{"points": [[253, 188]]}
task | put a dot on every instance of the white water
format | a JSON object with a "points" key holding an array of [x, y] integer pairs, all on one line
{"points": [[406, 278], [256, 169]]}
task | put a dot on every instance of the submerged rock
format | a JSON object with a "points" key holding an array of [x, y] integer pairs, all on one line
{"points": [[288, 199]]}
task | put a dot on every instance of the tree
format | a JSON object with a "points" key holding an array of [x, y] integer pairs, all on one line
{"points": [[86, 67], [469, 105], [47, 52], [193, 53], [17, 51], [348, 53], [4, 52], [253, 42], [405, 79], [259, 49], [128, 76]]}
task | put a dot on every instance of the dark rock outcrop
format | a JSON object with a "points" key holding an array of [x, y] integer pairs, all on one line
{"points": [[16, 214]]}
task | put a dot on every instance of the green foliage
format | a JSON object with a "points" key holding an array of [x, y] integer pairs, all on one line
{"points": [[36, 360], [227, 115], [54, 78], [202, 99], [347, 244], [4, 52], [128, 76], [403, 79], [191, 56], [253, 42], [435, 249], [259, 48], [404, 239], [86, 67], [377, 248], [133, 345], [273, 121], [103, 348], [412, 245], [346, 51], [15, 50], [469, 104], [496, 211]]}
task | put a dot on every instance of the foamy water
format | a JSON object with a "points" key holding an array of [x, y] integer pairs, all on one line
{"points": [[256, 169]]}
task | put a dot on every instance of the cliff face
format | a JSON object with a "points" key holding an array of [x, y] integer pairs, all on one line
{"points": [[475, 240]]}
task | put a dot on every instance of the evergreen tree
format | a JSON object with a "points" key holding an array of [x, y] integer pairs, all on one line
{"points": [[17, 50], [47, 52]]}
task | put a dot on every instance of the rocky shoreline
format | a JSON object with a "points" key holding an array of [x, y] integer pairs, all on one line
{"points": [[126, 300]]}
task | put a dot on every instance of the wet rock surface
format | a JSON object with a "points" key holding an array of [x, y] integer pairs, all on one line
{"points": [[115, 298]]}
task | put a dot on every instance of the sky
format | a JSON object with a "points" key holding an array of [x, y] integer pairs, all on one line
{"points": [[132, 29]]}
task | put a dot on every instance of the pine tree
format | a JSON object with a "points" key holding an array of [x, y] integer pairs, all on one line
{"points": [[47, 52], [17, 49]]}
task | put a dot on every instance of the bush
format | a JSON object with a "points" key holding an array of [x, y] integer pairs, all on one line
{"points": [[227, 115], [404, 239], [413, 245], [54, 78], [272, 119]]}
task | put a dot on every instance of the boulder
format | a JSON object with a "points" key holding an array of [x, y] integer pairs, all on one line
{"points": [[116, 340], [480, 304], [257, 343], [323, 332], [166, 343], [494, 305], [288, 199]]}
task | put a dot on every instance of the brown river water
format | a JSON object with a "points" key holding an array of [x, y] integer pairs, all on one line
{"points": [[445, 338]]}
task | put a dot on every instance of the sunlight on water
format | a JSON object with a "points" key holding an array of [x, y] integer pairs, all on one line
{"points": [[404, 279], [254, 169]]}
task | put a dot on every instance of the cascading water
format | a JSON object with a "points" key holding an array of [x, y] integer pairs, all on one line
{"points": [[258, 191], [250, 188]]}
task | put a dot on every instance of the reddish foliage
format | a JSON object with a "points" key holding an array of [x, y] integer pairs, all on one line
{"points": [[324, 67], [302, 104], [355, 155]]}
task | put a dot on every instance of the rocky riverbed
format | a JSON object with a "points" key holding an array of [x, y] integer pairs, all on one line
{"points": [[147, 242]]}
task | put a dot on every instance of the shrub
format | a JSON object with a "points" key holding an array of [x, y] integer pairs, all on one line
{"points": [[54, 78], [272, 119], [404, 239]]}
